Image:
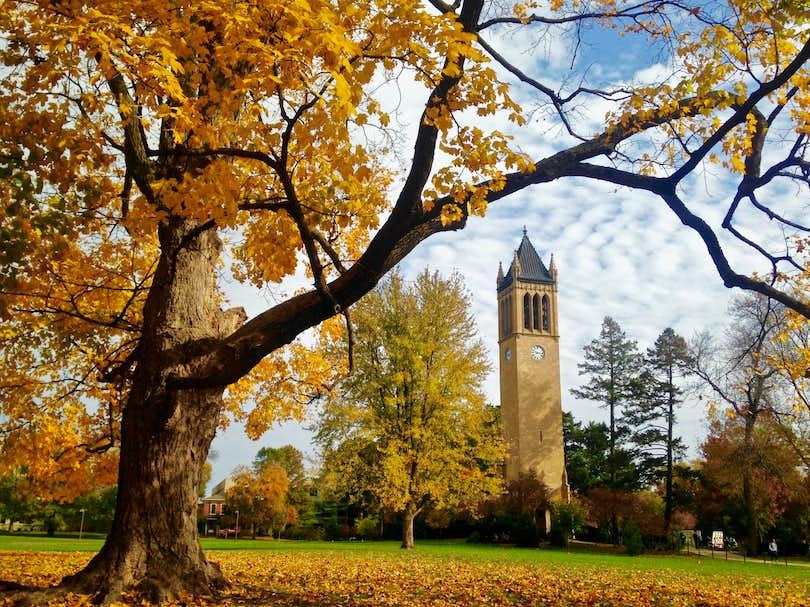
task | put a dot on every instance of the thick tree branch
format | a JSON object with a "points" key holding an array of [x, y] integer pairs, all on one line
{"points": [[263, 157], [398, 235], [408, 224], [742, 111], [729, 276], [136, 151]]}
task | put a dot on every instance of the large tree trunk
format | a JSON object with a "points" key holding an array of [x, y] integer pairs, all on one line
{"points": [[153, 543], [407, 526], [165, 435]]}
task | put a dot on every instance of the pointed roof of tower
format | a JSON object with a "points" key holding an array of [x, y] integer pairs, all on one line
{"points": [[529, 267]]}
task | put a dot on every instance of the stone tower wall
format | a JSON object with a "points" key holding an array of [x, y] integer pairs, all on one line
{"points": [[531, 399]]}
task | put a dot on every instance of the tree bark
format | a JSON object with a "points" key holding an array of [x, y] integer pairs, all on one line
{"points": [[670, 424], [614, 519], [407, 526], [752, 522], [165, 435]]}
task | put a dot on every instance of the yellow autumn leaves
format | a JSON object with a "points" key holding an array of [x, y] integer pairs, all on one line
{"points": [[719, 63], [338, 578]]}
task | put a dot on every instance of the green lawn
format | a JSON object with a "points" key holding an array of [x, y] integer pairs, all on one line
{"points": [[455, 550]]}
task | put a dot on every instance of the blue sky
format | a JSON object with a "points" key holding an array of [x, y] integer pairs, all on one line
{"points": [[619, 253]]}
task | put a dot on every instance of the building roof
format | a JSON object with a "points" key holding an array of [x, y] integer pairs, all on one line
{"points": [[221, 488], [529, 265]]}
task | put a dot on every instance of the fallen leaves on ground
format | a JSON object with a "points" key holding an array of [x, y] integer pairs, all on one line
{"points": [[306, 579]]}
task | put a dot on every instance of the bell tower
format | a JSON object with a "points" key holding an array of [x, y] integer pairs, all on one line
{"points": [[529, 361]]}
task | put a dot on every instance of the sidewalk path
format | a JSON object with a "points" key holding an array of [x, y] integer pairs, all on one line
{"points": [[734, 556]]}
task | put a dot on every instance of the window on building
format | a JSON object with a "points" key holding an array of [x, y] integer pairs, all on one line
{"points": [[536, 312], [509, 326], [212, 509], [527, 312], [546, 313]]}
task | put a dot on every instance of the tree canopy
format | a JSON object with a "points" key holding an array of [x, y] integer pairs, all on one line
{"points": [[410, 425], [612, 363], [260, 497], [653, 415], [744, 386]]}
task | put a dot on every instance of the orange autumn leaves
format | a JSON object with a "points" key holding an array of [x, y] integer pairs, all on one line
{"points": [[338, 578], [295, 81]]}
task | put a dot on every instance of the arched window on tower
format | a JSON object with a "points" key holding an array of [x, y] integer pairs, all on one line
{"points": [[507, 311], [546, 313], [527, 311], [536, 312]]}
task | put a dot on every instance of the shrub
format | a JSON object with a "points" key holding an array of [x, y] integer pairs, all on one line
{"points": [[368, 528], [566, 520], [524, 531], [306, 533], [631, 539]]}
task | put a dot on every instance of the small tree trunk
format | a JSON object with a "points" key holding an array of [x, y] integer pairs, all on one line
{"points": [[748, 493], [407, 526], [670, 424]]}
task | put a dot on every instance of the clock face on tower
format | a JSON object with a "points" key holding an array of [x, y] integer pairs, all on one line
{"points": [[508, 354], [538, 353]]}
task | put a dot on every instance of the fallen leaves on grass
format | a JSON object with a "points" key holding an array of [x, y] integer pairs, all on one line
{"points": [[306, 579]]}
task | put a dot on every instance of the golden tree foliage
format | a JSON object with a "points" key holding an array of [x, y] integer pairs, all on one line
{"points": [[411, 425], [245, 107]]}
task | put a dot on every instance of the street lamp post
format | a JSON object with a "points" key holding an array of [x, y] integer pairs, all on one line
{"points": [[236, 531], [81, 525]]}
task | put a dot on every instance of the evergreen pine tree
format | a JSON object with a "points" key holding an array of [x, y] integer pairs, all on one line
{"points": [[587, 450], [652, 413], [613, 363]]}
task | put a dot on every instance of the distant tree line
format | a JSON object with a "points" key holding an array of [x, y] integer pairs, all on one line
{"points": [[20, 510], [411, 448], [750, 479]]}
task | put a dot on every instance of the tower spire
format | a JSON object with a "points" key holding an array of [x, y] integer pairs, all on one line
{"points": [[516, 264]]}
